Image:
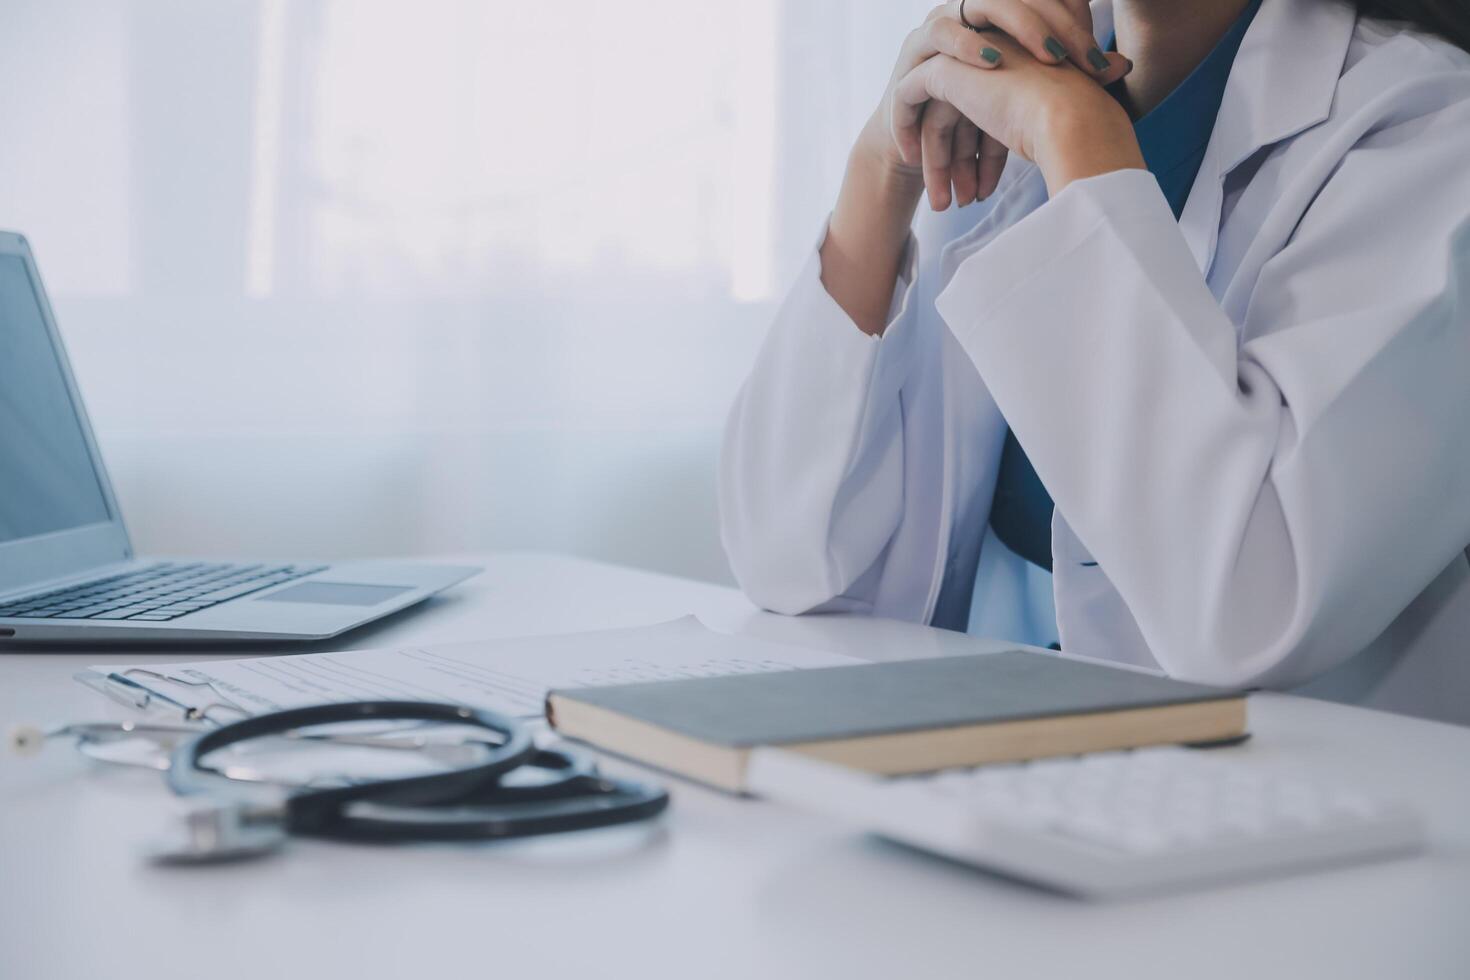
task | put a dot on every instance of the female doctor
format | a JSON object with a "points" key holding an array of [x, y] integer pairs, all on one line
{"points": [[1177, 375]]}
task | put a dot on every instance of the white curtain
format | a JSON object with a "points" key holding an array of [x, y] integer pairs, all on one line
{"points": [[356, 277]]}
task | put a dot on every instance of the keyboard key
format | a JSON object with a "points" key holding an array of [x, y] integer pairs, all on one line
{"points": [[127, 612], [235, 591]]}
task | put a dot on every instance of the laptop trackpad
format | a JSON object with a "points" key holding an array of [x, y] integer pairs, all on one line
{"points": [[337, 593]]}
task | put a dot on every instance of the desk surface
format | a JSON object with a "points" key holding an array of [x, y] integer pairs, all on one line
{"points": [[723, 888]]}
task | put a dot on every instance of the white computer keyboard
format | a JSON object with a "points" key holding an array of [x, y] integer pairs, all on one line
{"points": [[1108, 824]]}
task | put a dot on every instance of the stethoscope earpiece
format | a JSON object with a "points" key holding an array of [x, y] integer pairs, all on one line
{"points": [[26, 740]]}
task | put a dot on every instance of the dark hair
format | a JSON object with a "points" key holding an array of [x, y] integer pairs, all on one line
{"points": [[1450, 19]]}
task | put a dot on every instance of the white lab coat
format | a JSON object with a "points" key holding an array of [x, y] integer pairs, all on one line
{"points": [[1255, 421]]}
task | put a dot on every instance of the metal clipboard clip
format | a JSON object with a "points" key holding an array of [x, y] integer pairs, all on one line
{"points": [[144, 690]]}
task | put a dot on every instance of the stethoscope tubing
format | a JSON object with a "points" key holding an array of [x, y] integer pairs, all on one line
{"points": [[473, 802], [311, 809]]}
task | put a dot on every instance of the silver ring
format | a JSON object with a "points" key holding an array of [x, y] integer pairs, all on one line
{"points": [[966, 21]]}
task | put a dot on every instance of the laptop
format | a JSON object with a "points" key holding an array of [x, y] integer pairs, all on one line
{"points": [[67, 569]]}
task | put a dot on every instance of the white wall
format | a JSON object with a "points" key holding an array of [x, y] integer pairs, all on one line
{"points": [[351, 278]]}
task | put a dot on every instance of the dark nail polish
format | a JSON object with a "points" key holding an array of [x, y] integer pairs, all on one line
{"points": [[1129, 70], [1055, 49], [1097, 60], [991, 55]]}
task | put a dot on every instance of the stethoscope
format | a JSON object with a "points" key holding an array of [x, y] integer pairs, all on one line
{"points": [[489, 798]]}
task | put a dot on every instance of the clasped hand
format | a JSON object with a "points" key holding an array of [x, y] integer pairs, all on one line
{"points": [[1028, 79]]}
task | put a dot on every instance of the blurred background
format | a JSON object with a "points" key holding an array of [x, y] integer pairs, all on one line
{"points": [[352, 278]]}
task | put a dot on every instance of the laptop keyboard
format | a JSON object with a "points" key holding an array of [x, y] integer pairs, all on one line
{"points": [[160, 592]]}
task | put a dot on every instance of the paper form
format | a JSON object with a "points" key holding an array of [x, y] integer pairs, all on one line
{"points": [[511, 676]]}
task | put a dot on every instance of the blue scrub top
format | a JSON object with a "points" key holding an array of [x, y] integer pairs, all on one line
{"points": [[1173, 138]]}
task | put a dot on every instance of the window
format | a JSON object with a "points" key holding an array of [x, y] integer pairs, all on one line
{"points": [[459, 273]]}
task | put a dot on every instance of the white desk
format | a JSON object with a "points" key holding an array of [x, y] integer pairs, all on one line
{"points": [[726, 888]]}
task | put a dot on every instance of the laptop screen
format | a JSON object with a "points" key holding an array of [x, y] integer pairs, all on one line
{"points": [[48, 482]]}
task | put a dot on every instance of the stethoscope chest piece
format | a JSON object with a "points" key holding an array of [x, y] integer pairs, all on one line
{"points": [[215, 833]]}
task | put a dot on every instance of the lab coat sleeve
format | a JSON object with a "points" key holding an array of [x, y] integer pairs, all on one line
{"points": [[1264, 509], [811, 472]]}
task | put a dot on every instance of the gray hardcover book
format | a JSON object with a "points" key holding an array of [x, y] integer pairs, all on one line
{"points": [[897, 717]]}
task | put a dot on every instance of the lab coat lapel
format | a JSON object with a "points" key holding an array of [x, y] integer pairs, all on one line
{"points": [[1282, 82]]}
